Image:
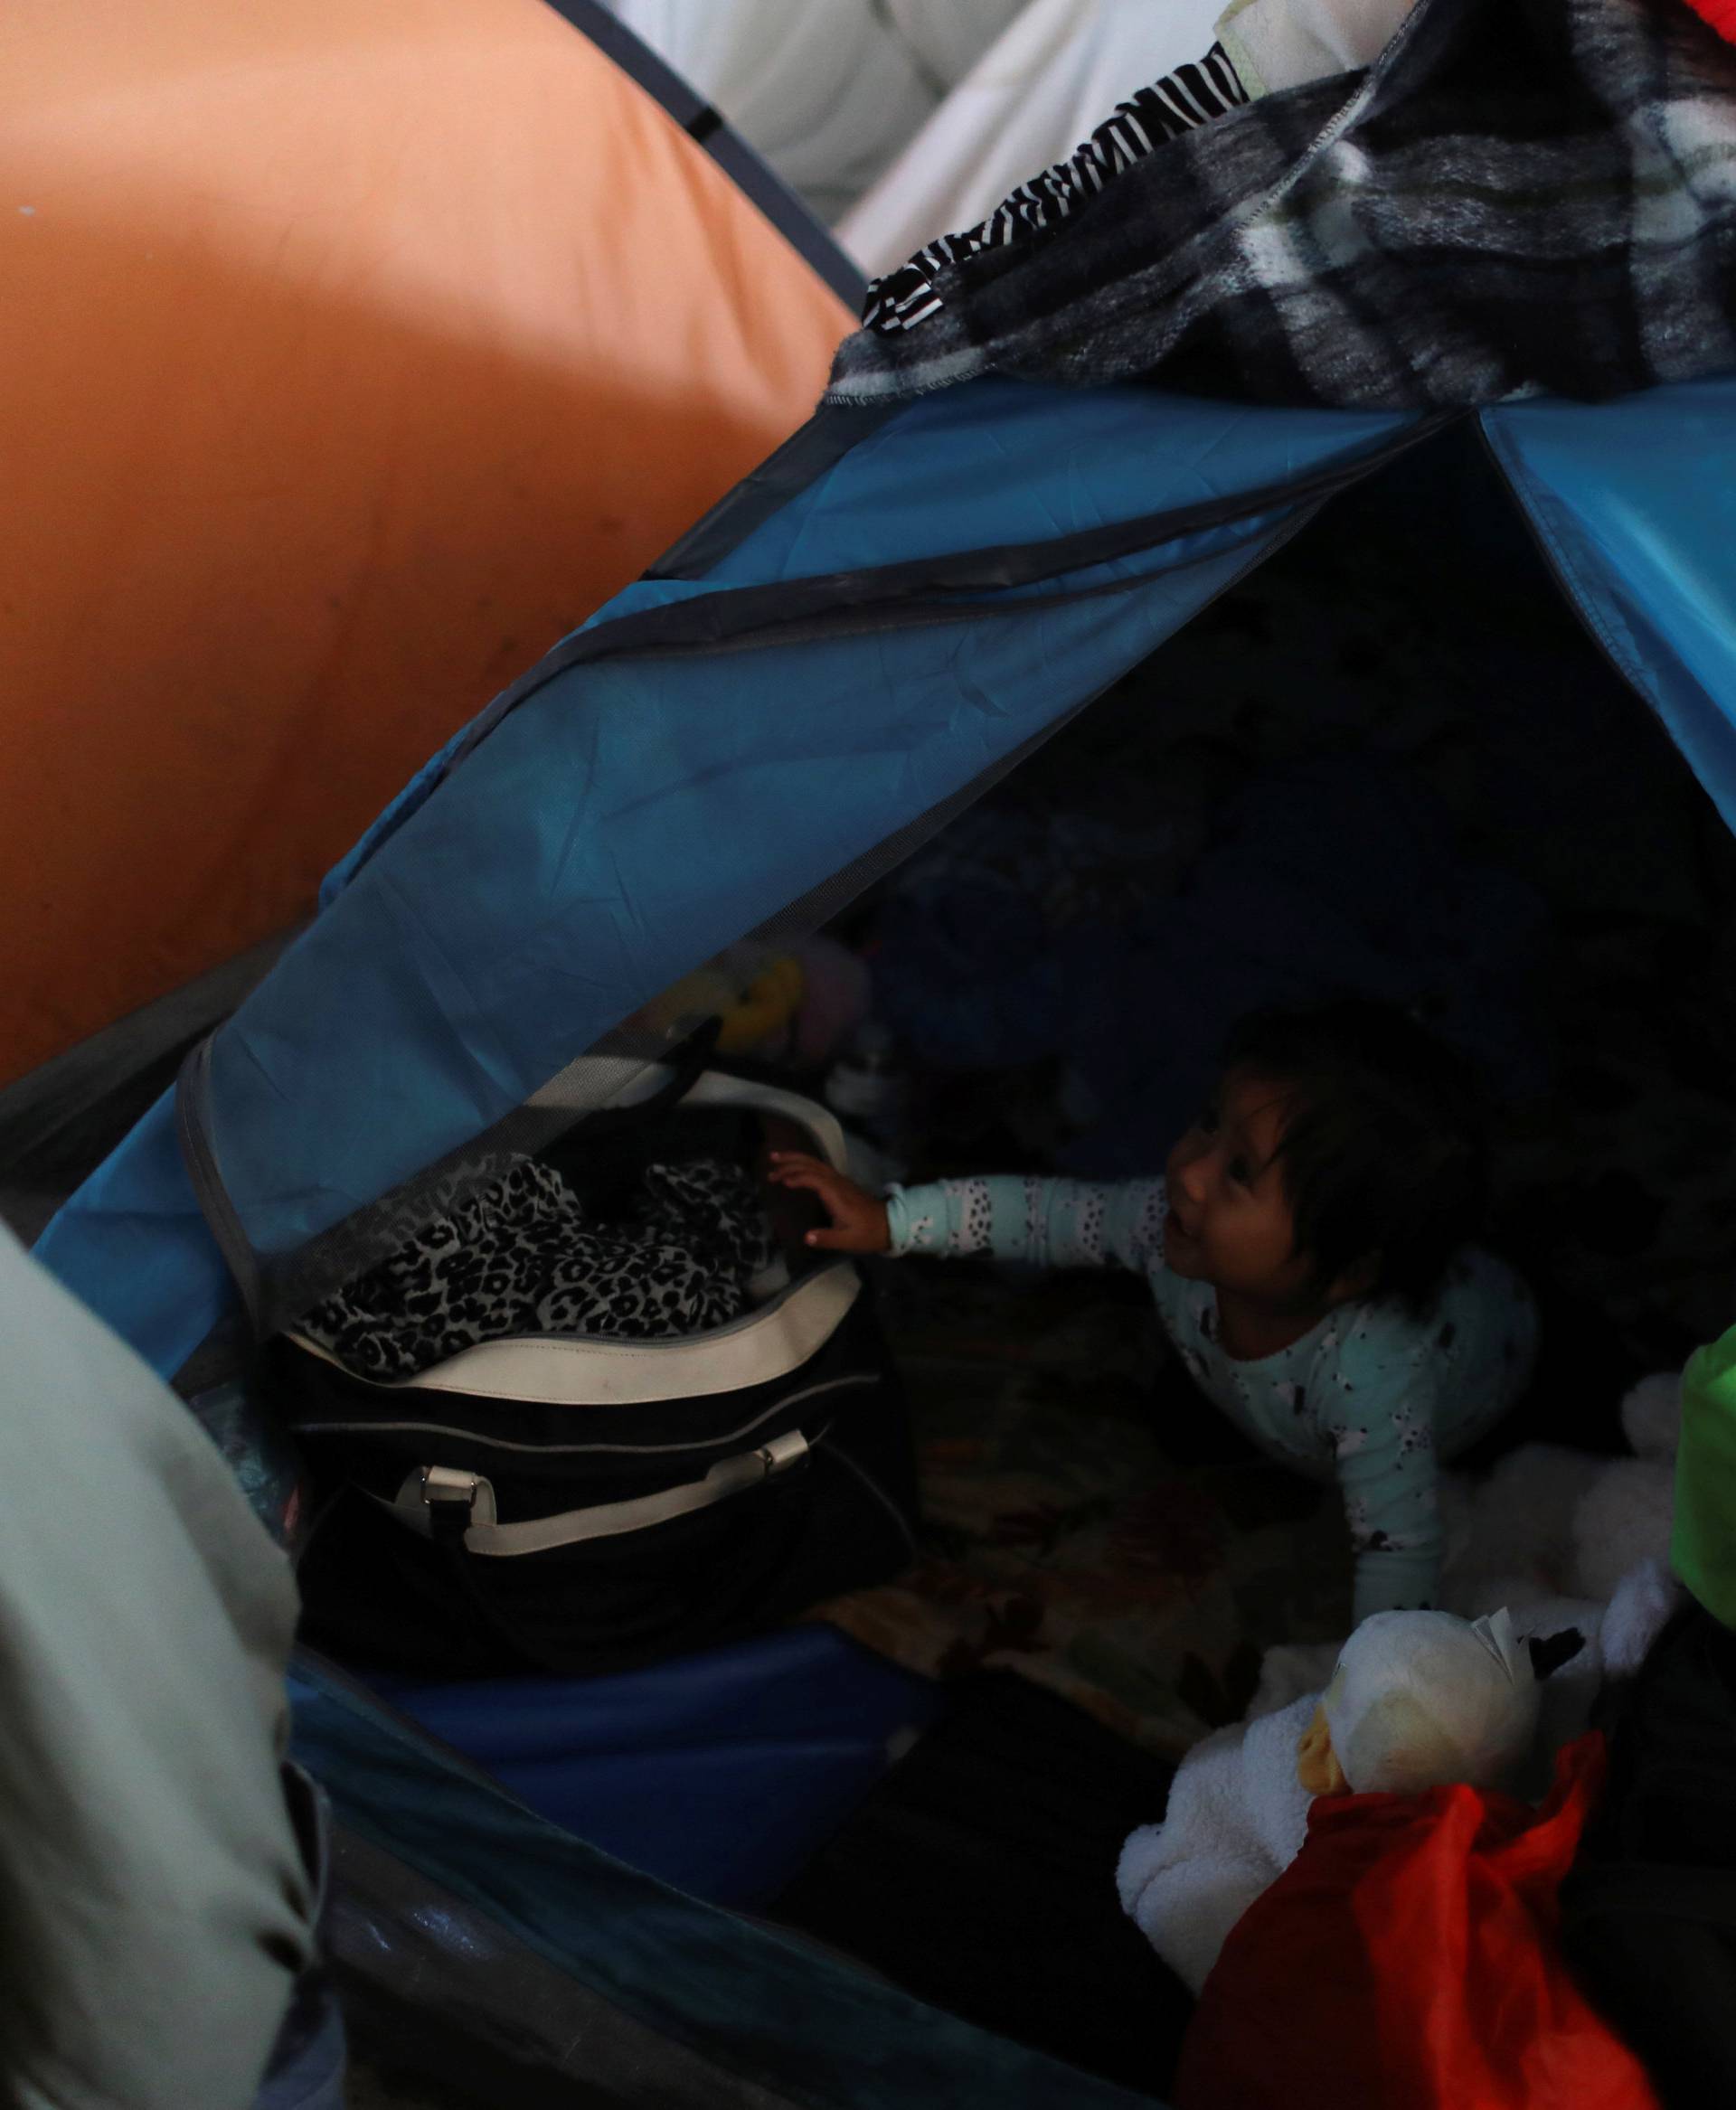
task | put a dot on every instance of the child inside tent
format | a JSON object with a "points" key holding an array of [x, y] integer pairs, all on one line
{"points": [[1308, 1253]]}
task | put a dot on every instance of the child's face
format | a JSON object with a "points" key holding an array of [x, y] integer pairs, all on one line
{"points": [[1229, 1222]]}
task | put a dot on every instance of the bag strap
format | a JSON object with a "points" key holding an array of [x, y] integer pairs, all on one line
{"points": [[457, 1508], [440, 1502]]}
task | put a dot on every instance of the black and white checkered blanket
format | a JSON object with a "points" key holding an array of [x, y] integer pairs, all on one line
{"points": [[1521, 195]]}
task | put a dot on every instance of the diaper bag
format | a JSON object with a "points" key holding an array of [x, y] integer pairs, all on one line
{"points": [[569, 1503]]}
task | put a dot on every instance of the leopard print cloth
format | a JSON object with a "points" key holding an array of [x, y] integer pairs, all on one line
{"points": [[524, 1256]]}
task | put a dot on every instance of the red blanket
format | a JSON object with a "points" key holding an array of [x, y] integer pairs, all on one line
{"points": [[1407, 1960]]}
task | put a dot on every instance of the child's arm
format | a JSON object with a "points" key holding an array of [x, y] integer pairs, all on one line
{"points": [[1045, 1223], [1387, 1474], [1048, 1223]]}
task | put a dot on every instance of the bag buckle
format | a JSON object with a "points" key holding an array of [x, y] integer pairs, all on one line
{"points": [[443, 1485], [782, 1451], [443, 1503]]}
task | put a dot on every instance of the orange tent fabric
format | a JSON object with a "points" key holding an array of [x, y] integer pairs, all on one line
{"points": [[353, 354]]}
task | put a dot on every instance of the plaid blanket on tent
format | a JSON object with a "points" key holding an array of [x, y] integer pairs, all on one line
{"points": [[1521, 195]]}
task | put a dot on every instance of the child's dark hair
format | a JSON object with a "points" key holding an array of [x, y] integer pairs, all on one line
{"points": [[1385, 1148]]}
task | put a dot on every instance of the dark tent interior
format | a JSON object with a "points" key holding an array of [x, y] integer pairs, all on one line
{"points": [[1392, 759]]}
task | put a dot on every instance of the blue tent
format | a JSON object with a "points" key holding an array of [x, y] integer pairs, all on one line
{"points": [[900, 606], [895, 610]]}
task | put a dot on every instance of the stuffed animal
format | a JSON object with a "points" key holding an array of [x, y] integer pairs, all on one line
{"points": [[1421, 1700], [796, 1006], [1573, 1549], [1553, 1523], [1417, 1699], [1572, 1544]]}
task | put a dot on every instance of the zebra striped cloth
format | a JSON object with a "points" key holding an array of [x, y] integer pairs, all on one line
{"points": [[1190, 96], [1518, 196]]}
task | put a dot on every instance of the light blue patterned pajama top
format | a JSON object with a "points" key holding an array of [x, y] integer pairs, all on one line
{"points": [[1371, 1397]]}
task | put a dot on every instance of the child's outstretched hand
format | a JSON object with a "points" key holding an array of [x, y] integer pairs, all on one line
{"points": [[858, 1218]]}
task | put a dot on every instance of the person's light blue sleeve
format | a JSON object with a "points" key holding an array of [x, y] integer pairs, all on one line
{"points": [[1383, 1429], [1045, 1223], [152, 1886]]}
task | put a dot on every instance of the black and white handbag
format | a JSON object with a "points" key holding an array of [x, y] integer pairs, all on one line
{"points": [[574, 1504]]}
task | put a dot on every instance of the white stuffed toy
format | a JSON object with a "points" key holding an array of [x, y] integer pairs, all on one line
{"points": [[1552, 1522], [1573, 1549], [1563, 1539], [1574, 1543], [1417, 1699], [1236, 1820]]}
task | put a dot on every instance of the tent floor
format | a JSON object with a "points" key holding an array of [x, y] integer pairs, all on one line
{"points": [[1100, 1529], [997, 1838], [1113, 1542]]}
